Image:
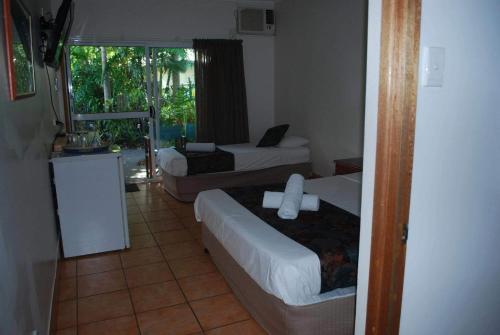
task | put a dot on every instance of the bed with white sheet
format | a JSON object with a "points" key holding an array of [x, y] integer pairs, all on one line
{"points": [[252, 166], [276, 278]]}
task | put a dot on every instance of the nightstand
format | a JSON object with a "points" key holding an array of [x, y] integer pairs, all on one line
{"points": [[348, 165]]}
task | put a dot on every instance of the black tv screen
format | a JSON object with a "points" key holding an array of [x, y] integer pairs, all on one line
{"points": [[59, 34]]}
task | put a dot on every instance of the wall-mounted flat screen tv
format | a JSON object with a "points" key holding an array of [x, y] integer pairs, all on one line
{"points": [[58, 35]]}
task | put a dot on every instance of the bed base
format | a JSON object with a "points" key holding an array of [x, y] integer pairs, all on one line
{"points": [[187, 188], [277, 318]]}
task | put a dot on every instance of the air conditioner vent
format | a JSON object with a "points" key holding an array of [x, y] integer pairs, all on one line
{"points": [[256, 21]]}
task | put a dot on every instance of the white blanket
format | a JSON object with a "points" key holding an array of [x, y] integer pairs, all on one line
{"points": [[279, 265], [247, 157]]}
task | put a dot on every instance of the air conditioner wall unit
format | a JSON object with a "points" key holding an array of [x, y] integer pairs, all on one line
{"points": [[256, 21]]}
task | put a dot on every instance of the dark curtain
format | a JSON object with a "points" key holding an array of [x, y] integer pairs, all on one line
{"points": [[221, 101]]}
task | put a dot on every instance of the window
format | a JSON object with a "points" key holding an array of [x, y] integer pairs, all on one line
{"points": [[108, 83]]}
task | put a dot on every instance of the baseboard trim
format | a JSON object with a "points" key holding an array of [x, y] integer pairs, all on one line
{"points": [[55, 289]]}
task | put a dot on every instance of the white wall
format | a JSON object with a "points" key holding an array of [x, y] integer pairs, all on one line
{"points": [[452, 276], [28, 240], [162, 22], [320, 71], [369, 150]]}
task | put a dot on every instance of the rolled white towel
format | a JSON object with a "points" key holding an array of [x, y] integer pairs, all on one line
{"points": [[310, 202], [205, 147], [292, 197]]}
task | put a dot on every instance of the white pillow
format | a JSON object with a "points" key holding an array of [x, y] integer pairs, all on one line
{"points": [[292, 142]]}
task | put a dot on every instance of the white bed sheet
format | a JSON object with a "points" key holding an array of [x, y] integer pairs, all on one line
{"points": [[172, 161], [281, 266], [247, 157]]}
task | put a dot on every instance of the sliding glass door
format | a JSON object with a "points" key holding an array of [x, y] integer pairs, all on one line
{"points": [[129, 92], [173, 94]]}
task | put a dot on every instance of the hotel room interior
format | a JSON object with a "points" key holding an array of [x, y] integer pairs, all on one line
{"points": [[249, 167]]}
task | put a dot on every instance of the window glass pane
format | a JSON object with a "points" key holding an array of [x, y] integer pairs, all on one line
{"points": [[126, 133], [108, 79], [174, 94]]}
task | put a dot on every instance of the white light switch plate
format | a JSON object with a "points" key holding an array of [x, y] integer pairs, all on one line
{"points": [[433, 67]]}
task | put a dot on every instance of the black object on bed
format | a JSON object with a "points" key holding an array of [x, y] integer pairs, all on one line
{"points": [[208, 162], [273, 136], [332, 233]]}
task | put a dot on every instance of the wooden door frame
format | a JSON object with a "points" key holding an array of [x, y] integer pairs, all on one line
{"points": [[398, 80]]}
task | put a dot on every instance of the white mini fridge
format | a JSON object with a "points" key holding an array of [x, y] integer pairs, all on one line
{"points": [[91, 203]]}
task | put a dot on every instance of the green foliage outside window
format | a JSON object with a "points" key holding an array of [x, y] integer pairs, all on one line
{"points": [[113, 79]]}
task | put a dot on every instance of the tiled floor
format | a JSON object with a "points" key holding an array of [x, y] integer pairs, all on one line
{"points": [[165, 284]]}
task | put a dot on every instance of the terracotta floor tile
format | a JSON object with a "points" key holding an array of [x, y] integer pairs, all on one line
{"points": [[147, 204], [67, 331], [126, 325], [146, 298], [182, 250], [104, 306], [190, 222], [191, 266], [165, 225], [67, 269], [204, 286], [66, 314], [135, 219], [141, 257], [148, 200], [219, 311], [142, 197], [131, 210], [142, 241], [167, 197], [179, 204], [148, 274], [248, 327], [135, 229], [100, 263], [158, 215], [195, 232], [154, 207], [184, 212], [67, 289], [178, 320], [174, 236], [101, 283]]}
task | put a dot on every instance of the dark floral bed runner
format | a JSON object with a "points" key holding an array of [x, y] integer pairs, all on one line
{"points": [[332, 233], [208, 162]]}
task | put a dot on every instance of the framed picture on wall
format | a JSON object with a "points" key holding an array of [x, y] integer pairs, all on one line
{"points": [[19, 49]]}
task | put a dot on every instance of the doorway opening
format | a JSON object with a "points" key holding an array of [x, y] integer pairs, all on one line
{"points": [[132, 96]]}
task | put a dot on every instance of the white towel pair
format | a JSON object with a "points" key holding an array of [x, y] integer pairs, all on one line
{"points": [[203, 147], [293, 199], [310, 202]]}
